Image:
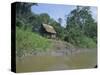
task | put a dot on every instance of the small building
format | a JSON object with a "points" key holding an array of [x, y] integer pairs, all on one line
{"points": [[48, 31]]}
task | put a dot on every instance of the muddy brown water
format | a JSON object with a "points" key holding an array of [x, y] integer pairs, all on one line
{"points": [[85, 59]]}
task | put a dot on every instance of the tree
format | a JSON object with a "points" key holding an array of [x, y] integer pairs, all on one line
{"points": [[23, 8], [80, 23], [60, 20], [78, 16], [24, 14], [45, 18]]}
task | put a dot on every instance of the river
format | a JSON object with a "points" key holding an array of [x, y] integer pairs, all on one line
{"points": [[82, 60]]}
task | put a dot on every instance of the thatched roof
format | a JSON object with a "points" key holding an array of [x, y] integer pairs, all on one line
{"points": [[49, 28]]}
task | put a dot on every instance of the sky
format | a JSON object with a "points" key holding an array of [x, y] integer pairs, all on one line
{"points": [[56, 11]]}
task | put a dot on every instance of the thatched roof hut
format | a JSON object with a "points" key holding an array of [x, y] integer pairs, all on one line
{"points": [[48, 30]]}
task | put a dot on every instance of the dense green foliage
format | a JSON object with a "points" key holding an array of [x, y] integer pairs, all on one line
{"points": [[80, 30]]}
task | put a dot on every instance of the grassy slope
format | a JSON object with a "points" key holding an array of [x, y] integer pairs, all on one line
{"points": [[27, 41]]}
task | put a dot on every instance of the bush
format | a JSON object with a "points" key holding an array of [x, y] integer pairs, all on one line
{"points": [[77, 38], [87, 42]]}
